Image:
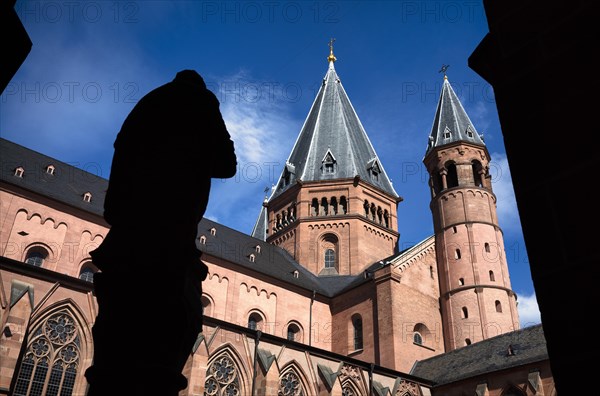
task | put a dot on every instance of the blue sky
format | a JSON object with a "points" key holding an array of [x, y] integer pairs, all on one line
{"points": [[92, 60]]}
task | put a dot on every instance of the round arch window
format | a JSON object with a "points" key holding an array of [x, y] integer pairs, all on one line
{"points": [[36, 256]]}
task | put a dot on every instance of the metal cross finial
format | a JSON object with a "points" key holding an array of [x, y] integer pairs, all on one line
{"points": [[331, 57], [443, 69]]}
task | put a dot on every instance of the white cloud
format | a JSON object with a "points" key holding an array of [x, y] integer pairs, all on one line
{"points": [[529, 312], [262, 129], [508, 213]]}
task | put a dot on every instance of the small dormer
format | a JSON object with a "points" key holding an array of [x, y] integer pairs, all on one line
{"points": [[87, 197], [447, 133], [50, 169], [374, 169], [288, 174], [19, 171], [328, 163], [469, 132], [213, 231]]}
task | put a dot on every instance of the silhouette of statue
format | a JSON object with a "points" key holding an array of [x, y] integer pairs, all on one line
{"points": [[149, 284]]}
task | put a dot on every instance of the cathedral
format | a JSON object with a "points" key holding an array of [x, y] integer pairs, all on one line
{"points": [[317, 300]]}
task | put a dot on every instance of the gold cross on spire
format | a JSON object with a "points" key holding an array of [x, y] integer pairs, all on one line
{"points": [[331, 57]]}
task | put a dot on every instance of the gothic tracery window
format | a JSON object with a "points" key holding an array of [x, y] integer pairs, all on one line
{"points": [[350, 388], [290, 385], [50, 364], [222, 378]]}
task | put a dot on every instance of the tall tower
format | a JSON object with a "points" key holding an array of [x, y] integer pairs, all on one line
{"points": [[475, 293], [334, 207]]}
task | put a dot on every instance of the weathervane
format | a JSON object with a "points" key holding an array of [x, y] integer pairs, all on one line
{"points": [[331, 57], [443, 70]]}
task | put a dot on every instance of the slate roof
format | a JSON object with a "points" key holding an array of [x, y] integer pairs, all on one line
{"points": [[273, 261], [332, 132], [68, 184], [528, 346], [451, 123]]}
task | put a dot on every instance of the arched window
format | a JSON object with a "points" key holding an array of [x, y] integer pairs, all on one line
{"points": [[467, 341], [417, 339], [498, 306], [87, 272], [206, 306], [293, 332], [366, 207], [223, 375], [492, 276], [52, 358], [486, 246], [255, 321], [290, 383], [461, 281], [343, 205], [328, 254], [357, 328], [36, 256], [329, 258], [324, 207], [386, 218], [421, 334], [465, 312], [314, 207], [452, 176], [334, 206], [477, 173]]}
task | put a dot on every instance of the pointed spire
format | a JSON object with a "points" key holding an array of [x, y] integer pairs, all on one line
{"points": [[331, 58], [451, 123], [333, 143]]}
